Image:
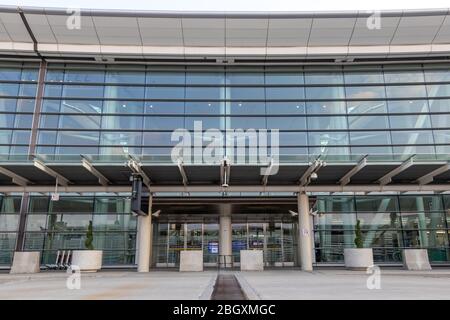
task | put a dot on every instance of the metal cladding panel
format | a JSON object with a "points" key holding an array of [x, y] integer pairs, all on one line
{"points": [[202, 174], [371, 173]]}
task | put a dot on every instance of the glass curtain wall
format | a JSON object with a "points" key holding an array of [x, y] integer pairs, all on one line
{"points": [[9, 224], [389, 223], [391, 110], [62, 225], [17, 99]]}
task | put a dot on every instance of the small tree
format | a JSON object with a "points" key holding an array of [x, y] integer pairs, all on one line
{"points": [[358, 235], [88, 243]]}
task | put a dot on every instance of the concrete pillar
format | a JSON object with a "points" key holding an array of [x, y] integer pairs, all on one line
{"points": [[144, 238], [225, 234], [305, 230]]}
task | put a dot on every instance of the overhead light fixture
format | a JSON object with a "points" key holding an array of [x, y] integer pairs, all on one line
{"points": [[156, 213]]}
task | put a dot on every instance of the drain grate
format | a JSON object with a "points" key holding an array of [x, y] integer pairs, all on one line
{"points": [[227, 288]]}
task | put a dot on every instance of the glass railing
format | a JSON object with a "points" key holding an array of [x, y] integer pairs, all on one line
{"points": [[115, 159]]}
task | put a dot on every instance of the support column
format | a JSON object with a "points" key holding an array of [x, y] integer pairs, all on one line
{"points": [[144, 236], [20, 242], [225, 235], [304, 229]]}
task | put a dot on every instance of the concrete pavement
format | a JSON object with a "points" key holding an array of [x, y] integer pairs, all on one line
{"points": [[268, 284]]}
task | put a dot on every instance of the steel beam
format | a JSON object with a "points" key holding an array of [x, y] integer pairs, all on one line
{"points": [[313, 168], [90, 167], [236, 188], [136, 168], [182, 172], [429, 177], [268, 173], [225, 170], [346, 178], [387, 178], [19, 180], [59, 178]]}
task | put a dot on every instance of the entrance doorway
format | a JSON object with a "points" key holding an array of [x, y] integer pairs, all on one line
{"points": [[193, 224]]}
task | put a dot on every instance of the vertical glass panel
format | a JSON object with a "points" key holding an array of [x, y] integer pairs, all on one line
{"points": [[437, 75], [79, 122], [320, 93], [441, 120], [170, 78], [410, 121], [286, 123], [246, 93], [327, 123], [403, 76], [210, 78], [176, 242], [368, 122], [327, 138], [236, 108], [285, 107], [441, 136], [240, 240], [366, 107], [363, 77], [439, 105], [370, 138], [325, 107], [420, 203], [408, 106], [291, 93], [122, 122], [84, 76], [238, 78], [324, 78], [177, 107], [274, 78], [164, 93], [410, 91], [125, 77], [366, 92], [412, 137], [205, 93]]}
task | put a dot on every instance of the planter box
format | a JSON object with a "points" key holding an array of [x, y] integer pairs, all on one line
{"points": [[252, 260], [87, 260], [191, 260], [358, 258], [416, 259], [26, 262]]}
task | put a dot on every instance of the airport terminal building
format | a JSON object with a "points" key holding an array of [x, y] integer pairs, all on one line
{"points": [[360, 108]]}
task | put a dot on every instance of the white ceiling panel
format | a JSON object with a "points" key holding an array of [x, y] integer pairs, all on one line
{"points": [[417, 30], [117, 31], [41, 28], [204, 32], [331, 31], [246, 32], [15, 27], [443, 36], [363, 36], [161, 31], [288, 32]]}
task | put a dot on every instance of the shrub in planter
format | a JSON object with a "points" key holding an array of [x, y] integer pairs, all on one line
{"points": [[358, 258], [88, 260]]}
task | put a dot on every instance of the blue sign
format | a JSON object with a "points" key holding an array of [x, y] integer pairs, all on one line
{"points": [[213, 247], [239, 245]]}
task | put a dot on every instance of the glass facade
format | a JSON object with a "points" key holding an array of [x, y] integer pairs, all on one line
{"points": [[389, 223], [95, 109], [114, 109], [62, 225]]}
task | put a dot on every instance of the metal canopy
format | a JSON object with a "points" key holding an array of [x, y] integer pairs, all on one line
{"points": [[109, 172], [291, 34]]}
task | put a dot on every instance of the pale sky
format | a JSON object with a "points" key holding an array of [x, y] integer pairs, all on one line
{"points": [[236, 5]]}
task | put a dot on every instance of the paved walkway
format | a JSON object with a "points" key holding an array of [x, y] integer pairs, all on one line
{"points": [[343, 284], [269, 284], [157, 285]]}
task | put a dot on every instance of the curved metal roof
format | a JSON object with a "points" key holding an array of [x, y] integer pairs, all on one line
{"points": [[147, 34]]}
